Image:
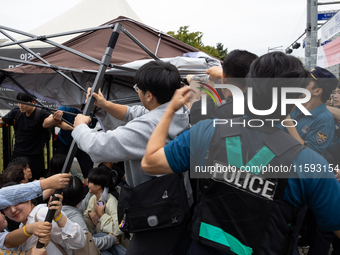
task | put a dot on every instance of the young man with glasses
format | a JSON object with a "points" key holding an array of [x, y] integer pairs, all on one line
{"points": [[156, 83]]}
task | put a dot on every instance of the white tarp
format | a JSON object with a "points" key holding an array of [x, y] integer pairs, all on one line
{"points": [[185, 65], [87, 13], [331, 28]]}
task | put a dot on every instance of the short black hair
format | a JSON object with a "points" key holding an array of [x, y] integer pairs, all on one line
{"points": [[236, 65], [283, 71], [24, 97], [56, 164], [160, 78], [99, 176], [73, 193], [24, 161], [12, 174]]}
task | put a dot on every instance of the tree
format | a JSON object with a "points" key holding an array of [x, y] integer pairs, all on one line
{"points": [[222, 52], [195, 39]]}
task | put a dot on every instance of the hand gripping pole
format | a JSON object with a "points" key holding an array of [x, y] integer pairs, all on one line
{"points": [[87, 110]]}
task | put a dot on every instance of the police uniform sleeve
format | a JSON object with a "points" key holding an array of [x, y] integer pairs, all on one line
{"points": [[334, 148], [190, 147], [177, 152], [313, 183], [320, 136]]}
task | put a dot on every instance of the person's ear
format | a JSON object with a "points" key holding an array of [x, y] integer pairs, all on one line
{"points": [[149, 96], [224, 79], [318, 91]]}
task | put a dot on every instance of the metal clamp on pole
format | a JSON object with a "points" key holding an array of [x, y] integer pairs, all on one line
{"points": [[89, 105]]}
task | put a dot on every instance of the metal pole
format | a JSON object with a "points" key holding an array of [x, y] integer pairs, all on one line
{"points": [[314, 34], [39, 64], [308, 36], [43, 60], [90, 102], [274, 48], [150, 53], [39, 106], [44, 37], [337, 2]]}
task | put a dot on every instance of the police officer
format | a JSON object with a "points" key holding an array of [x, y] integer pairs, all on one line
{"points": [[251, 211], [316, 131]]}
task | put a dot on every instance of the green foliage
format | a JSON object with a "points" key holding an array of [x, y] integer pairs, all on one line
{"points": [[195, 39]]}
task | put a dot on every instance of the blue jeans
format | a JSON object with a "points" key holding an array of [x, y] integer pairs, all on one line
{"points": [[116, 249]]}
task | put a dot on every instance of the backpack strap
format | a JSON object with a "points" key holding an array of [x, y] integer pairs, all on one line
{"points": [[16, 118], [274, 142], [286, 151], [61, 249], [37, 116]]}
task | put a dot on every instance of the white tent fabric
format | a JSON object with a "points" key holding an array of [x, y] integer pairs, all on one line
{"points": [[185, 65], [86, 14]]}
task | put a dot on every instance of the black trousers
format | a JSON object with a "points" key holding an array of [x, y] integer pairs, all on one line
{"points": [[322, 241], [84, 159]]}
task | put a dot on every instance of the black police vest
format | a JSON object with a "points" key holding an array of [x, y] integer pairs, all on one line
{"points": [[242, 212]]}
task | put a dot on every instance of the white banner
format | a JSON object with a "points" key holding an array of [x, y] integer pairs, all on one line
{"points": [[329, 54], [331, 28]]}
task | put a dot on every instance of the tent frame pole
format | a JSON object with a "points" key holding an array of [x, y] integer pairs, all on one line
{"points": [[32, 97], [39, 64], [39, 106], [45, 37], [43, 60], [150, 53], [87, 110]]}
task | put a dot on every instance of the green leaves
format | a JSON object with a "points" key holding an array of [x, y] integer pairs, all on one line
{"points": [[195, 39]]}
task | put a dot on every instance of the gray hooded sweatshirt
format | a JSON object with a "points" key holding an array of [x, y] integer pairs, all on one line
{"points": [[127, 143]]}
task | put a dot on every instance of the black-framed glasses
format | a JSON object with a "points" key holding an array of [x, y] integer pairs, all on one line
{"points": [[136, 88]]}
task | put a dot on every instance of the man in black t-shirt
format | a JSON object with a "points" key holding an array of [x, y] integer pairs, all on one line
{"points": [[29, 124]]}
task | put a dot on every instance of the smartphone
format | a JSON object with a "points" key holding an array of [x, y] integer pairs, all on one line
{"points": [[100, 204]]}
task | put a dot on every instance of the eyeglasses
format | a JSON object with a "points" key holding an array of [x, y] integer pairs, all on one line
{"points": [[136, 88]]}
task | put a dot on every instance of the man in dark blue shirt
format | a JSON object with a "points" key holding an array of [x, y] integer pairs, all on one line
{"points": [[62, 145]]}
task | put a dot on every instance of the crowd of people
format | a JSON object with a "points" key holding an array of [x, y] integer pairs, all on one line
{"points": [[145, 195]]}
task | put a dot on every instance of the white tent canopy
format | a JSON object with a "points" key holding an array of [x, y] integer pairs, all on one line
{"points": [[86, 14]]}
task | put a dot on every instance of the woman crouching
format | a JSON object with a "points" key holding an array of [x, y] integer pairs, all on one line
{"points": [[64, 235]]}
